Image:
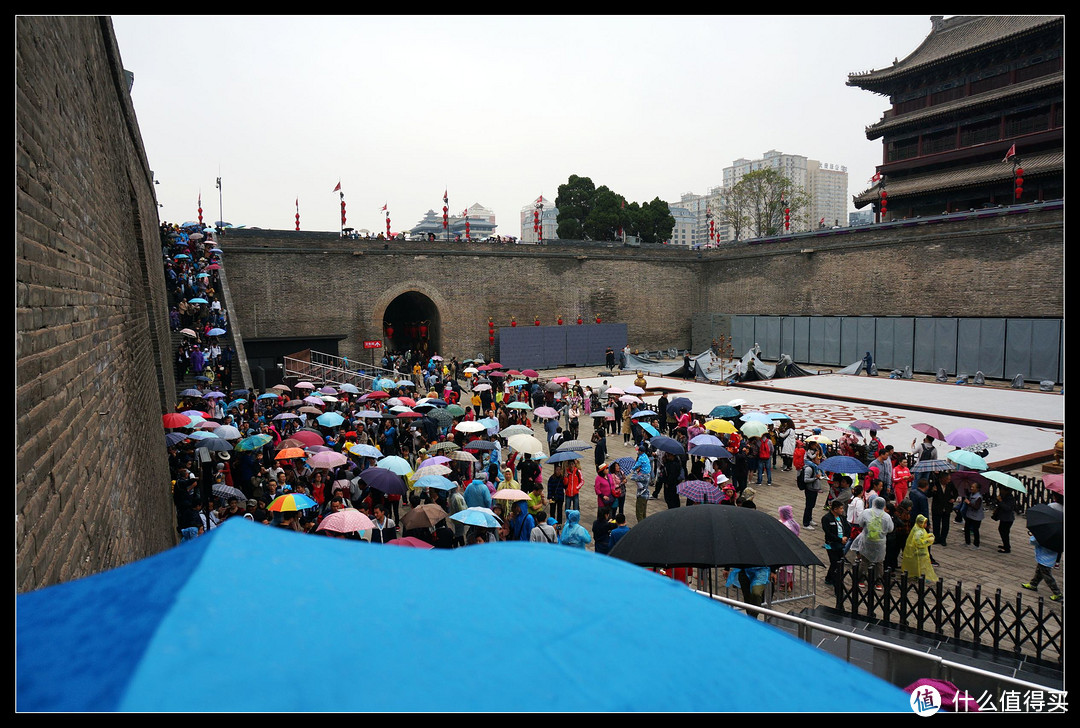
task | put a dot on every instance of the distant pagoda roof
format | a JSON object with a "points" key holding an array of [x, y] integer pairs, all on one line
{"points": [[951, 39], [967, 104], [958, 178]]}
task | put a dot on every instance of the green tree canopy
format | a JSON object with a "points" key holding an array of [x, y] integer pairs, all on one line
{"points": [[754, 206], [597, 213]]}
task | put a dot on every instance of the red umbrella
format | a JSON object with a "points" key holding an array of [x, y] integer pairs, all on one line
{"points": [[175, 419], [530, 373], [375, 395], [408, 401], [1055, 483], [929, 430], [495, 365], [308, 437]]}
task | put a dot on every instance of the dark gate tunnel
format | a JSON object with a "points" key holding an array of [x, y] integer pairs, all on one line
{"points": [[412, 321]]}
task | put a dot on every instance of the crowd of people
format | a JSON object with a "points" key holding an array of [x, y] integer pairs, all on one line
{"points": [[883, 519]]}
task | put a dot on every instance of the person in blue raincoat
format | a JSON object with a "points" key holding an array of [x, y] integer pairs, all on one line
{"points": [[754, 589], [522, 524], [573, 533], [477, 494]]}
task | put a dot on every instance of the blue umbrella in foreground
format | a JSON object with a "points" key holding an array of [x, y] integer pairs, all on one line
{"points": [[560, 457], [149, 619]]}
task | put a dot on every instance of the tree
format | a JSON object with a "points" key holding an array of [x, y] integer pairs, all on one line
{"points": [[575, 201], [652, 222], [755, 204], [607, 215]]}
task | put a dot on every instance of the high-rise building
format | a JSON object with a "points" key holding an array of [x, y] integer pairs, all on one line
{"points": [[699, 207], [685, 222], [549, 223], [827, 186]]}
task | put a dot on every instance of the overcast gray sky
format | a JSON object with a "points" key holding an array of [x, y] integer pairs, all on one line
{"points": [[496, 110]]}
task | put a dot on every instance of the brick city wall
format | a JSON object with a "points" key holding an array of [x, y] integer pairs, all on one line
{"points": [[309, 284], [93, 372]]}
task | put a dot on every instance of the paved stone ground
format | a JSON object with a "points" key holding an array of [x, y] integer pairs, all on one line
{"points": [[985, 566]]}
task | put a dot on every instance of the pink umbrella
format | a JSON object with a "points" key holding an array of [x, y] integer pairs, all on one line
{"points": [[411, 541], [305, 385], [615, 391], [328, 390], [629, 399], [328, 459], [546, 412], [929, 430], [437, 460], [1055, 483], [510, 494], [529, 373], [870, 425], [313, 400], [561, 380], [349, 520]]}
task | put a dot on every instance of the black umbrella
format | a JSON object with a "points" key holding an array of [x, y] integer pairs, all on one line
{"points": [[384, 480], [667, 444], [680, 403], [1047, 525], [713, 535], [479, 445]]}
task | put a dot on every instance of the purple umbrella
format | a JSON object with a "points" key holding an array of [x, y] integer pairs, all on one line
{"points": [[384, 480], [965, 436]]}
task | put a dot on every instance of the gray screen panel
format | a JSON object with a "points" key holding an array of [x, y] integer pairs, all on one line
{"points": [[801, 349], [968, 336], [992, 347], [849, 341], [883, 344], [817, 340], [831, 341], [743, 326], [1045, 335], [945, 344], [867, 327], [924, 346], [1018, 348], [787, 336], [903, 342], [770, 342]]}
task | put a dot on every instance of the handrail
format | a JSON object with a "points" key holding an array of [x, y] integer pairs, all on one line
{"points": [[946, 666]]}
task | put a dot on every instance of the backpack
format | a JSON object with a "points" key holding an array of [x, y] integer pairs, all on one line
{"points": [[800, 479]]}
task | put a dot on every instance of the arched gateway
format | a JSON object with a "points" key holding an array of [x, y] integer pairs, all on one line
{"points": [[411, 321]]}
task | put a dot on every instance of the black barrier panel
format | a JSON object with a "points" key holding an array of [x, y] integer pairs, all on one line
{"points": [[577, 345], [554, 354], [545, 347]]}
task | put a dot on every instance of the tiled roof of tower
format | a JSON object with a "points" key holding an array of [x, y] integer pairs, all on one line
{"points": [[979, 174], [968, 102], [953, 37]]}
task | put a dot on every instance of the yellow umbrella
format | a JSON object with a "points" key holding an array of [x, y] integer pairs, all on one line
{"points": [[820, 439], [720, 426]]}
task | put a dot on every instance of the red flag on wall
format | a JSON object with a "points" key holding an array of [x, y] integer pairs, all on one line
{"points": [[1010, 153], [338, 188]]}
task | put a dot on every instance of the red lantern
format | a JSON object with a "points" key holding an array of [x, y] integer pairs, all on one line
{"points": [[491, 338], [1019, 182], [343, 212], [560, 321], [388, 226], [389, 331], [512, 322], [579, 322], [597, 319], [537, 323], [787, 218], [423, 331], [884, 203]]}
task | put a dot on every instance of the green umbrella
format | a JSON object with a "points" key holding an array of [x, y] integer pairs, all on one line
{"points": [[967, 459], [1005, 479], [754, 429], [456, 410], [253, 443]]}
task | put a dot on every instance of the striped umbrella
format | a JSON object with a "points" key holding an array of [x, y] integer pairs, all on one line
{"points": [[291, 502], [227, 491], [699, 491], [932, 466], [349, 520]]}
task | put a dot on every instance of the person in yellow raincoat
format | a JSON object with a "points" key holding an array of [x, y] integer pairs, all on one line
{"points": [[916, 559]]}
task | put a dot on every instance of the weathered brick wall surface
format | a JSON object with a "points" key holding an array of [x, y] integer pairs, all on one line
{"points": [[1001, 266], [306, 284], [93, 372]]}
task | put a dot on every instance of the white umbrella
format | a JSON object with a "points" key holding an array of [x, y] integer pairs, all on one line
{"points": [[472, 426], [526, 444]]}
